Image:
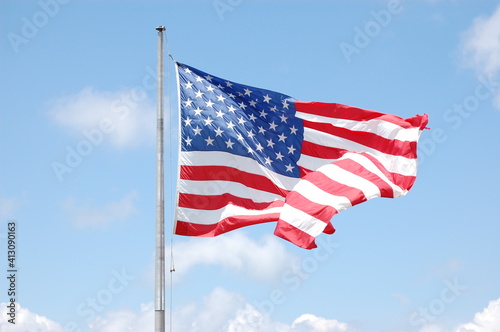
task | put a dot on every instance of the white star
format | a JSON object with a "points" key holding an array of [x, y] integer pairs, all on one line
{"points": [[279, 156], [263, 114], [188, 102], [209, 103], [188, 141], [218, 132], [247, 92], [285, 104], [274, 108], [283, 118], [291, 149], [199, 79], [208, 121], [239, 137], [272, 126], [241, 120], [198, 111], [231, 109], [262, 130], [189, 85], [250, 150], [231, 95], [229, 84], [252, 117], [197, 131], [252, 103], [199, 94], [230, 125], [208, 78], [267, 98], [187, 121], [209, 141], [293, 130], [289, 168], [242, 105], [268, 161], [259, 147], [229, 144], [187, 70], [210, 88], [221, 98], [282, 138], [250, 134], [219, 113], [270, 143]]}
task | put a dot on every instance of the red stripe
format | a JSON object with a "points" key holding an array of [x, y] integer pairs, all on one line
{"points": [[355, 168], [215, 202], [290, 233], [224, 173], [323, 182], [405, 182], [316, 210], [227, 224], [345, 112], [393, 147], [321, 151]]}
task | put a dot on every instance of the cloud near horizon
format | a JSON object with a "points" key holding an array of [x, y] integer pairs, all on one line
{"points": [[222, 310]]}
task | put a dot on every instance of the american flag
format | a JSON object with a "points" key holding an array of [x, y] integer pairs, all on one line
{"points": [[250, 155]]}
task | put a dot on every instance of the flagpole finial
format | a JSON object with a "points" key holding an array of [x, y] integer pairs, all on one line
{"points": [[160, 28]]}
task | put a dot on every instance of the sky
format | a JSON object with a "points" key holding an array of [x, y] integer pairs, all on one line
{"points": [[77, 166]]}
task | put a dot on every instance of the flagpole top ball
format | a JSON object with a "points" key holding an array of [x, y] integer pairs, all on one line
{"points": [[160, 28]]}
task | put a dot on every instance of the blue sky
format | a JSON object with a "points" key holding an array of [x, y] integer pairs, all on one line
{"points": [[77, 168]]}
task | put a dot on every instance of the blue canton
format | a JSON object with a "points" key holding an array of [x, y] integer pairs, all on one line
{"points": [[220, 115]]}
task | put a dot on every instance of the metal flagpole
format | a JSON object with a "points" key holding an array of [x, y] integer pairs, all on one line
{"points": [[160, 200]]}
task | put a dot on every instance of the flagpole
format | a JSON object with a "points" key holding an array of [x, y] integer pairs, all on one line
{"points": [[160, 199]]}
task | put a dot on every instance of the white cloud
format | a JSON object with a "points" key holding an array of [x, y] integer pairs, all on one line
{"points": [[486, 321], [26, 321], [481, 49], [125, 118], [86, 215], [309, 322], [265, 260], [481, 46], [225, 311]]}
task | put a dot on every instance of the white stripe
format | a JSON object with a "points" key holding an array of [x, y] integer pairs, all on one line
{"points": [[382, 128], [245, 164], [212, 188], [394, 164], [318, 195], [301, 220], [370, 166], [349, 179], [205, 217]]}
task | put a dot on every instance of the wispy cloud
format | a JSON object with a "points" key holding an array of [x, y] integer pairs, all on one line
{"points": [[126, 118], [481, 47], [264, 260], [86, 214]]}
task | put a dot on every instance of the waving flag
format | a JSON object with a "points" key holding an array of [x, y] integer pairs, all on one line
{"points": [[250, 156]]}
